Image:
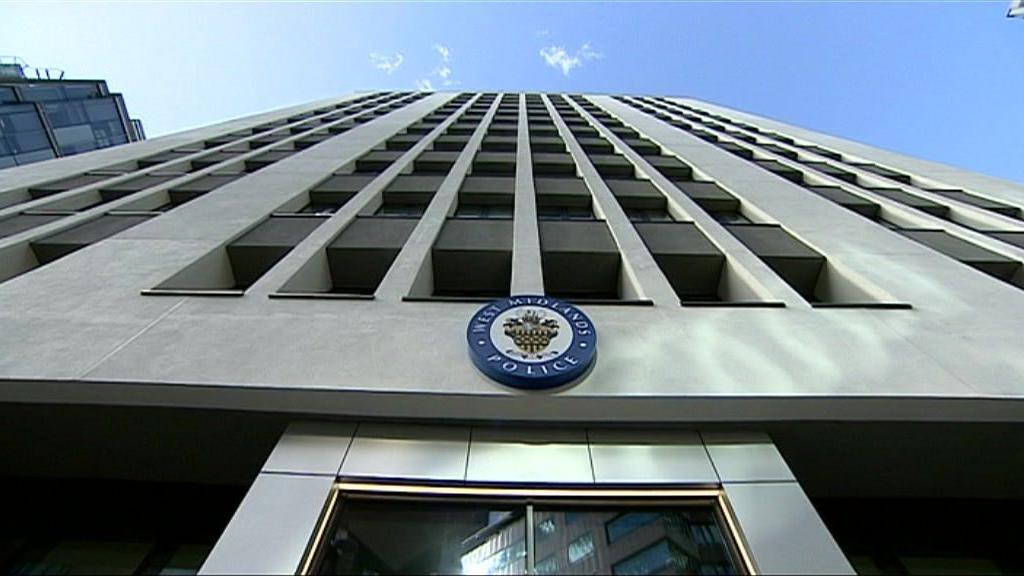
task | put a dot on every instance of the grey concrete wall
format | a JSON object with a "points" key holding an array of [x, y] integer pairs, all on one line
{"points": [[78, 330]]}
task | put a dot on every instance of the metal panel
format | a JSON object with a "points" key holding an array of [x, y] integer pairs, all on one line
{"points": [[650, 457], [408, 452], [739, 461], [311, 448], [529, 456], [270, 530], [783, 532]]}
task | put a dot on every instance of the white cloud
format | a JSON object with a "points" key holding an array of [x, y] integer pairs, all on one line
{"points": [[424, 86], [386, 63], [588, 53], [444, 71], [559, 58]]}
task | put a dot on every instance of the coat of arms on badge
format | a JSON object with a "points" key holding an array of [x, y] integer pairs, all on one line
{"points": [[531, 332]]}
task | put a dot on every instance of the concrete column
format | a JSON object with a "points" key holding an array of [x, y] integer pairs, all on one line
{"points": [[527, 272], [273, 526], [637, 262], [781, 529]]}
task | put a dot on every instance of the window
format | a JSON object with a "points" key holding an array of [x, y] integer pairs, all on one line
{"points": [[477, 530], [581, 548], [565, 213], [647, 215], [729, 217], [401, 210], [483, 211], [654, 560], [629, 522], [65, 113], [548, 565]]}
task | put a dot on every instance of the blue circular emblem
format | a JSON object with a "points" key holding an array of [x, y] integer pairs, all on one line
{"points": [[532, 342]]}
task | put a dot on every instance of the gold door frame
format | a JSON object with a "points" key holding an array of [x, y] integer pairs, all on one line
{"points": [[562, 495]]}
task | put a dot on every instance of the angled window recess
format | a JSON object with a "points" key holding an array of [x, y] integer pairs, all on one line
{"points": [[861, 206], [51, 188], [376, 161], [402, 142], [312, 140], [547, 144], [129, 187], [355, 262], [270, 157], [553, 164], [450, 142], [226, 139], [822, 151], [995, 265], [805, 270], [1014, 238], [193, 189], [21, 222], [494, 163], [486, 197], [163, 157], [581, 263], [907, 199], [505, 144], [464, 126], [65, 242], [471, 259], [234, 267], [633, 193], [713, 199], [782, 170], [833, 171], [779, 150], [435, 161], [593, 145], [612, 165], [979, 202], [691, 263], [563, 198], [409, 195], [882, 171], [212, 159], [331, 194]]}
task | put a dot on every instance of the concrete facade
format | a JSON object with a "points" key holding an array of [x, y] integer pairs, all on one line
{"points": [[878, 326]]}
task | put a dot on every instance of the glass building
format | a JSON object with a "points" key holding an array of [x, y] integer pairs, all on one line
{"points": [[254, 347], [42, 118]]}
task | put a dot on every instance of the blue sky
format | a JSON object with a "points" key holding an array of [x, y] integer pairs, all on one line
{"points": [[939, 80]]}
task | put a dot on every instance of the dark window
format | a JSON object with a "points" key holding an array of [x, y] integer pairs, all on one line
{"points": [[565, 213], [401, 210], [445, 536], [648, 215], [493, 211], [7, 95]]}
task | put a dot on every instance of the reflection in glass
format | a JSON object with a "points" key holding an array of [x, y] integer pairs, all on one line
{"points": [[407, 537], [635, 540], [400, 535]]}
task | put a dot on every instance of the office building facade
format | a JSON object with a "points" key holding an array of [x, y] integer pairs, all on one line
{"points": [[506, 333], [43, 118]]}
